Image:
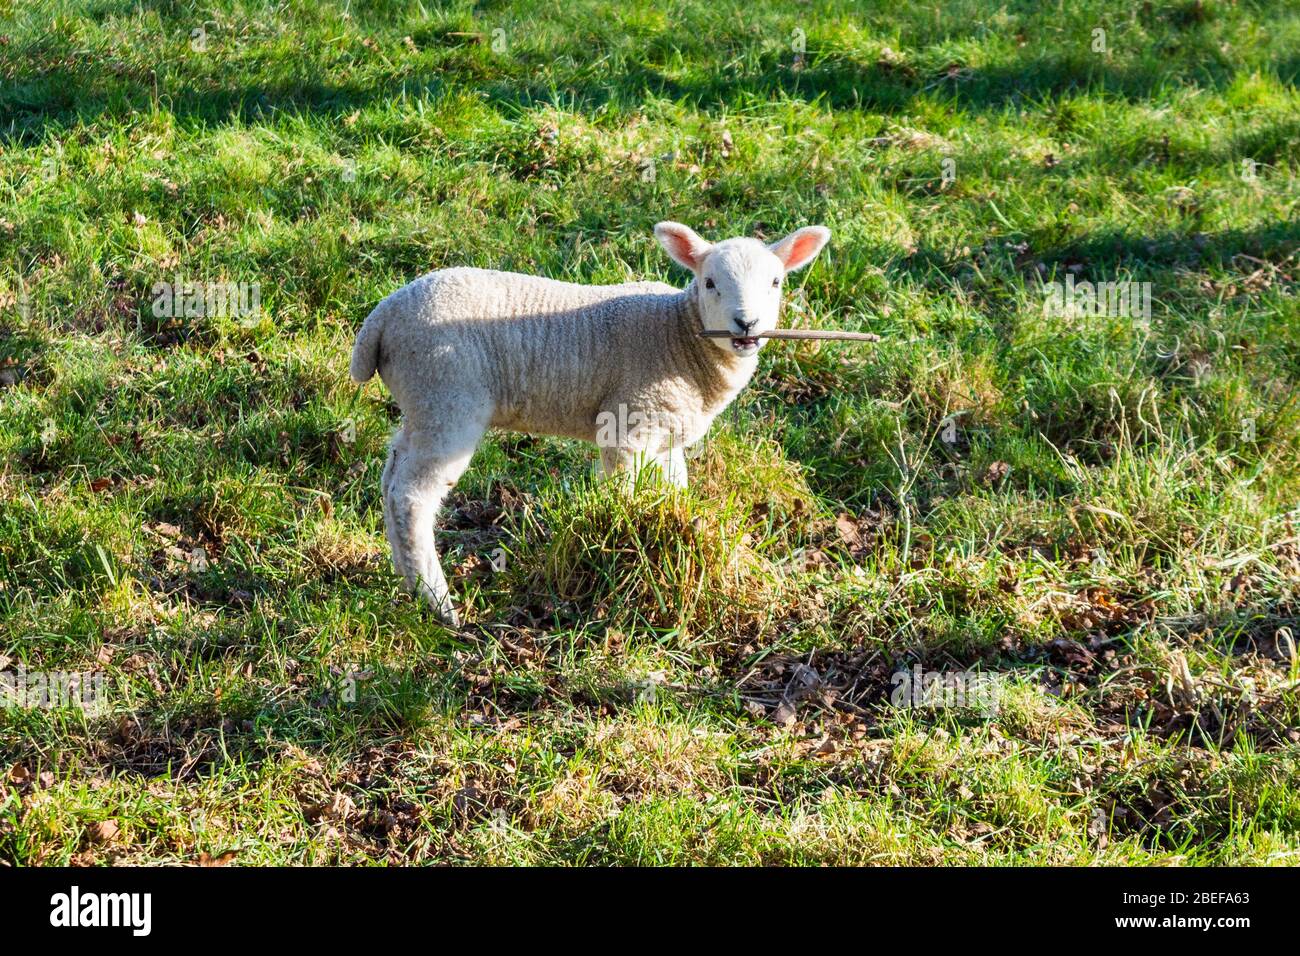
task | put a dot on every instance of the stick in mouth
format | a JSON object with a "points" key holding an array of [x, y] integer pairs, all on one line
{"points": [[799, 334]]}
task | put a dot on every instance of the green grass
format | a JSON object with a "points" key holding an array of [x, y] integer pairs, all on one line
{"points": [[1110, 526]]}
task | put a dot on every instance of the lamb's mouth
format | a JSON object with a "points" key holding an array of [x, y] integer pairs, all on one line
{"points": [[744, 345]]}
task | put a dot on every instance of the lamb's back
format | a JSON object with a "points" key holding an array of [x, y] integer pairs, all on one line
{"points": [[547, 351], [464, 293]]}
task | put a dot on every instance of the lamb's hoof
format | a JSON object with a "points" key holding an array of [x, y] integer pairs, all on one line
{"points": [[447, 614], [441, 606]]}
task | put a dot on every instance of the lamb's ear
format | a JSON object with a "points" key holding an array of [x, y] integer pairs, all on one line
{"points": [[686, 248], [800, 247]]}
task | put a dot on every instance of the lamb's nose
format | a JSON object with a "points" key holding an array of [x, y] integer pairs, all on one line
{"points": [[741, 324]]}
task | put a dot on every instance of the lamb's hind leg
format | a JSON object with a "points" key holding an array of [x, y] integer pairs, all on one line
{"points": [[385, 482], [425, 463]]}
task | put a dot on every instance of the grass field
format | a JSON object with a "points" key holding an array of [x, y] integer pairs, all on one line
{"points": [[1098, 511]]}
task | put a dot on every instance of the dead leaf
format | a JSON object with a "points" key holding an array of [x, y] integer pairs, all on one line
{"points": [[469, 801], [848, 530], [337, 810], [784, 715], [104, 832], [221, 860], [997, 473], [1069, 652]]}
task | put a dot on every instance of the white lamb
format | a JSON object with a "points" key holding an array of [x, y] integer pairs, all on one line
{"points": [[463, 350]]}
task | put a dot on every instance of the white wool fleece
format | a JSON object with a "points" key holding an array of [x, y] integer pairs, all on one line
{"points": [[624, 366]]}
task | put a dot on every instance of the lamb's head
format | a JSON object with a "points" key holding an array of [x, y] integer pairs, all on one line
{"points": [[739, 281]]}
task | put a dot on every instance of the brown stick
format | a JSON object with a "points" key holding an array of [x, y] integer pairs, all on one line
{"points": [[799, 334]]}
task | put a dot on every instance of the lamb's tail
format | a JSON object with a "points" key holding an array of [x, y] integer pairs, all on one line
{"points": [[365, 353]]}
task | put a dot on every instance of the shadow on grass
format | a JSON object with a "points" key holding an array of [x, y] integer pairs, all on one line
{"points": [[45, 99]]}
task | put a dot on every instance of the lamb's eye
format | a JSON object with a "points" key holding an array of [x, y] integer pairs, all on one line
{"points": [[776, 283], [708, 283]]}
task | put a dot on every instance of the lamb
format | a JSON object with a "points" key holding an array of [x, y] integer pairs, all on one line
{"points": [[622, 366]]}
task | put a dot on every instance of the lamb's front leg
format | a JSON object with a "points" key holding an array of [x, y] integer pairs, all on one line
{"points": [[620, 463], [670, 463], [633, 435], [673, 464]]}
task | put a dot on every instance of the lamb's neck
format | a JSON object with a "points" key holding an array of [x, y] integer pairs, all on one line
{"points": [[718, 374]]}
